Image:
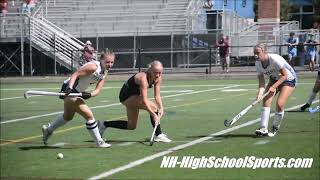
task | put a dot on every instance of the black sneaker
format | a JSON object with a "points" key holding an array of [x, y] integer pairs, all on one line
{"points": [[261, 132], [304, 107]]}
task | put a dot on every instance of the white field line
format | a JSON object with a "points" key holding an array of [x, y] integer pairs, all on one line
{"points": [[199, 85], [261, 142], [186, 85], [110, 105], [25, 89], [179, 147]]}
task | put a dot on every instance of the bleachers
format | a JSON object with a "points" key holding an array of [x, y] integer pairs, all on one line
{"points": [[109, 17]]}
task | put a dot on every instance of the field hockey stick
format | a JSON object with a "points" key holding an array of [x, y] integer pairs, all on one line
{"points": [[153, 133], [30, 93], [228, 123]]}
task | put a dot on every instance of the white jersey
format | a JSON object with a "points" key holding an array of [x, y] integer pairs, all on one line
{"points": [[276, 63], [83, 82]]}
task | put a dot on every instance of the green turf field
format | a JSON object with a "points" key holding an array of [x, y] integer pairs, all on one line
{"points": [[193, 110]]}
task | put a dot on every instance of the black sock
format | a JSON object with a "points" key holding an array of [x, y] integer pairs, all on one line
{"points": [[158, 130], [116, 124]]}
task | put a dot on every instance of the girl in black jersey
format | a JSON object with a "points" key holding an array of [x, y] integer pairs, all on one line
{"points": [[133, 95]]}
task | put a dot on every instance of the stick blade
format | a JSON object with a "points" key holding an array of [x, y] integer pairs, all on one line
{"points": [[26, 95], [227, 123], [151, 142]]}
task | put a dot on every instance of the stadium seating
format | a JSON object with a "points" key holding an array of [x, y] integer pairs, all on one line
{"points": [[108, 17]]}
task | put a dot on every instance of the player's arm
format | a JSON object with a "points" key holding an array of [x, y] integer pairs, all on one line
{"points": [[157, 97], [141, 79], [83, 71], [99, 86], [261, 86], [283, 77]]}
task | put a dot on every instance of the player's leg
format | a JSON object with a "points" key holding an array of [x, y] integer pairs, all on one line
{"points": [[265, 113], [160, 137], [130, 124], [91, 124], [313, 93], [284, 93], [137, 102], [69, 111], [132, 115]]}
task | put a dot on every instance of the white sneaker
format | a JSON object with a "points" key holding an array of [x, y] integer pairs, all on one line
{"points": [[261, 132], [273, 131], [162, 138], [45, 134], [101, 127], [102, 144]]}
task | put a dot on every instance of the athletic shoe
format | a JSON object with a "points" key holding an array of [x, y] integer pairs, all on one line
{"points": [[304, 107], [101, 127], [162, 138], [45, 134], [261, 132], [273, 132], [102, 144]]}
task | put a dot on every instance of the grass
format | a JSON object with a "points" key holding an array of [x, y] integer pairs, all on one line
{"points": [[188, 117]]}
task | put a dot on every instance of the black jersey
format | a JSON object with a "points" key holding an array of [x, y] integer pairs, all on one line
{"points": [[130, 88]]}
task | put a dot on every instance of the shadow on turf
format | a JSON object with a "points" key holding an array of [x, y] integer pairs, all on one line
{"points": [[67, 146], [296, 110], [145, 142]]}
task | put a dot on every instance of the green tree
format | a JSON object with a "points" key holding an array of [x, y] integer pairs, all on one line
{"points": [[284, 10]]}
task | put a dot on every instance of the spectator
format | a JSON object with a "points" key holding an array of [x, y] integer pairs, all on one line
{"points": [[88, 51], [28, 6], [223, 46], [3, 7], [292, 43], [207, 4], [301, 49], [311, 51]]}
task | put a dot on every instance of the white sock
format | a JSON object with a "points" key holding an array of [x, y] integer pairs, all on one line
{"points": [[277, 119], [58, 122], [265, 112], [311, 97], [92, 126]]}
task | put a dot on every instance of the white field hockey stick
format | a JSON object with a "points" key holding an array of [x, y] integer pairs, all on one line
{"points": [[153, 133], [243, 112], [30, 93]]}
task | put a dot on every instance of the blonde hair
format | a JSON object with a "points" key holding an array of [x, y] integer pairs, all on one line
{"points": [[154, 64], [262, 46], [106, 53]]}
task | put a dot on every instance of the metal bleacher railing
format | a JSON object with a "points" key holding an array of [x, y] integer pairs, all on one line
{"points": [[187, 42]]}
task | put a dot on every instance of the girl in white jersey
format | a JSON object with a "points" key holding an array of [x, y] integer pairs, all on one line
{"points": [[282, 80], [92, 72]]}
